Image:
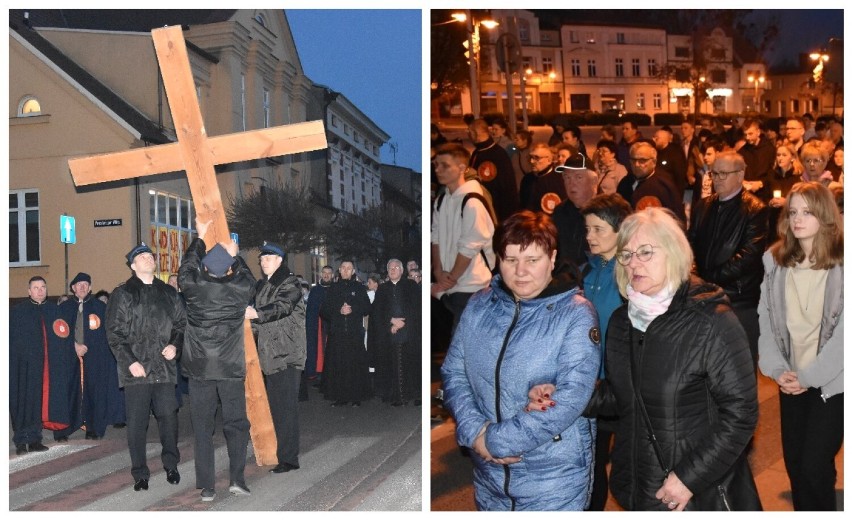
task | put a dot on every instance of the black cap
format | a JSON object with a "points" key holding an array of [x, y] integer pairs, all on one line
{"points": [[138, 250], [271, 248], [81, 277], [575, 162], [217, 261]]}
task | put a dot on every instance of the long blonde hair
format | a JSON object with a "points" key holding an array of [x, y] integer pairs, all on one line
{"points": [[797, 167]]}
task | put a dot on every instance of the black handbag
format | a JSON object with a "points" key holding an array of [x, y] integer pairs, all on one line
{"points": [[735, 491]]}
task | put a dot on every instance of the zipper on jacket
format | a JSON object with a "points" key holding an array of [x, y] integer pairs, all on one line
{"points": [[506, 472], [635, 438]]}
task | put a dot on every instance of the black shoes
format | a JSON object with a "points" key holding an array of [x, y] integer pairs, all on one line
{"points": [[64, 438], [239, 488], [356, 404], [173, 476], [20, 449], [208, 494], [284, 468], [119, 425], [339, 403], [92, 436], [398, 403], [141, 484], [36, 446]]}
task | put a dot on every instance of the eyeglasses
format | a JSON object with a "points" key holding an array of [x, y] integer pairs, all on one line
{"points": [[537, 158], [644, 253], [640, 160], [813, 161], [722, 175]]}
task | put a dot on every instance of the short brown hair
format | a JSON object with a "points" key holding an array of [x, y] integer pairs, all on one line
{"points": [[456, 150], [827, 248], [525, 228]]}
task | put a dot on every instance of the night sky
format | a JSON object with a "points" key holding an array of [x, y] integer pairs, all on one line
{"points": [[373, 57]]}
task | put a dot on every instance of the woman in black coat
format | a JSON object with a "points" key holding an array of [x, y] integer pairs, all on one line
{"points": [[679, 369]]}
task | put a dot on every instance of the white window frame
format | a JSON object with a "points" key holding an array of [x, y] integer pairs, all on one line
{"points": [[22, 227]]}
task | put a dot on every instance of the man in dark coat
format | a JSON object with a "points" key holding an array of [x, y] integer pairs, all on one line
{"points": [[315, 333], [103, 400], [494, 169], [394, 340], [580, 183], [646, 184], [346, 375], [670, 157], [759, 156], [278, 320], [728, 236], [145, 321], [36, 333], [542, 188], [217, 286]]}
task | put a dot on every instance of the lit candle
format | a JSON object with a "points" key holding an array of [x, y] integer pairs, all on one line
{"points": [[776, 194]]}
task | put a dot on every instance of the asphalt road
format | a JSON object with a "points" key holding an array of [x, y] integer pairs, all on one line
{"points": [[366, 459]]}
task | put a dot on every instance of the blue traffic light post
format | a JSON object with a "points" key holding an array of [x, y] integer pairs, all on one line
{"points": [[68, 235]]}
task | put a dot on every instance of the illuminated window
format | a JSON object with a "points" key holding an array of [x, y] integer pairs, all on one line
{"points": [[29, 106], [170, 227], [24, 228]]}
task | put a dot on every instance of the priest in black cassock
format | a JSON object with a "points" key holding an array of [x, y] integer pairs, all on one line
{"points": [[394, 340], [37, 334], [345, 376]]}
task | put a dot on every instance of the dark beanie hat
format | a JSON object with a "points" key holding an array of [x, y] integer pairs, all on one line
{"points": [[217, 261]]}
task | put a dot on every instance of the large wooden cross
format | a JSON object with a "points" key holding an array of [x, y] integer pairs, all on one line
{"points": [[197, 154]]}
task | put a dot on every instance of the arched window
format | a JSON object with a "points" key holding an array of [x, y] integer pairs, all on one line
{"points": [[260, 19], [29, 106]]}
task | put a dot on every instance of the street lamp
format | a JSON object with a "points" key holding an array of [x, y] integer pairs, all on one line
{"points": [[757, 80], [473, 50], [820, 57]]}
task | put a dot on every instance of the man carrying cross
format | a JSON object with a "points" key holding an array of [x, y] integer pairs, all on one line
{"points": [[217, 287]]}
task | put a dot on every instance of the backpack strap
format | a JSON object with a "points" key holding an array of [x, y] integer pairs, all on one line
{"points": [[484, 202]]}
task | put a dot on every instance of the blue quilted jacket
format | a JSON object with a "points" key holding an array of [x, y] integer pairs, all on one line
{"points": [[500, 350]]}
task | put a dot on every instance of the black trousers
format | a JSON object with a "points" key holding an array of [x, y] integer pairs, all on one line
{"points": [[749, 320], [282, 390], [455, 303], [811, 435], [205, 396], [139, 401]]}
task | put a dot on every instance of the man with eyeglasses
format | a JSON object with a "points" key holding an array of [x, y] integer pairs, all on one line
{"points": [[646, 182], [728, 236], [494, 169], [542, 189], [759, 156], [795, 131]]}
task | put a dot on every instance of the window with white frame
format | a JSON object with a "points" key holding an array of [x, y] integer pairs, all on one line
{"points": [[593, 71], [658, 101], [575, 68], [29, 106], [547, 65], [636, 67], [171, 222], [267, 109], [619, 67], [24, 228], [640, 101], [652, 67]]}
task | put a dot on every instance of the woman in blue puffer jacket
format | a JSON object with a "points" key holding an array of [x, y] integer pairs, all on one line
{"points": [[531, 326]]}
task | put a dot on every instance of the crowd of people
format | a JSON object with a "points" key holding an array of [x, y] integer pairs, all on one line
{"points": [[619, 307], [86, 364]]}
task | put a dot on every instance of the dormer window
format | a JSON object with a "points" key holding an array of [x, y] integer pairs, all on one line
{"points": [[29, 106]]}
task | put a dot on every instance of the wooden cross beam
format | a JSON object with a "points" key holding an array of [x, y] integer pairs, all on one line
{"points": [[197, 154]]}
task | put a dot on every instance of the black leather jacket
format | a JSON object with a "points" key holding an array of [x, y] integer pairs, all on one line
{"points": [[280, 323], [728, 239], [141, 319]]}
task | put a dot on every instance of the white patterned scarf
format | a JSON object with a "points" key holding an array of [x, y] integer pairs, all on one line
{"points": [[642, 309]]}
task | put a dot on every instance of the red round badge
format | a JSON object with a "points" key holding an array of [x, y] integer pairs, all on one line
{"points": [[61, 329], [487, 171], [94, 322], [549, 201]]}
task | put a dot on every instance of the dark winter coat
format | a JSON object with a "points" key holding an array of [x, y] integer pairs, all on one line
{"points": [[103, 402], [141, 319], [760, 161], [280, 323], [728, 239], [696, 377], [495, 172], [659, 185], [214, 346]]}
